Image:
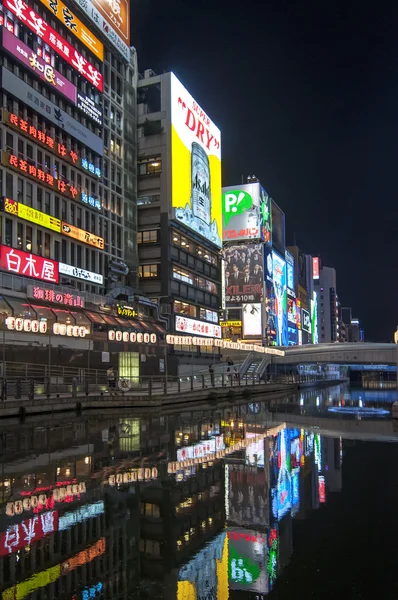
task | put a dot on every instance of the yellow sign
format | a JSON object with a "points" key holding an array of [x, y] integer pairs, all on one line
{"points": [[75, 26], [37, 581], [126, 311], [38, 217], [82, 236], [231, 323], [196, 166]]}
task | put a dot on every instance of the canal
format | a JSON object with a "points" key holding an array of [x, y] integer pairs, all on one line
{"points": [[290, 496]]}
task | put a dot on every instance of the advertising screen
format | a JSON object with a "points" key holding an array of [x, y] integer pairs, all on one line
{"points": [[292, 311], [247, 495], [27, 213], [247, 556], [82, 236], [18, 262], [244, 274], [281, 480], [254, 451], [117, 13], [279, 279], [305, 320], [269, 297], [265, 217], [314, 318], [191, 326], [315, 267], [246, 213], [42, 29], [196, 166], [28, 532], [278, 229], [252, 319], [289, 270], [75, 26], [292, 336]]}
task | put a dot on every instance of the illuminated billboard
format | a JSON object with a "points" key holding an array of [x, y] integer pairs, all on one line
{"points": [[315, 267], [278, 228], [28, 213], [314, 318], [194, 327], [83, 236], [117, 14], [196, 166], [280, 474], [279, 280], [247, 494], [244, 274], [78, 273], [241, 212], [254, 450], [75, 26], [27, 532], [289, 270], [247, 555], [18, 262], [305, 320], [252, 320], [51, 37]]}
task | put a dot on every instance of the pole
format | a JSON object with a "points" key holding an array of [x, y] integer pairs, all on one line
{"points": [[165, 362]]}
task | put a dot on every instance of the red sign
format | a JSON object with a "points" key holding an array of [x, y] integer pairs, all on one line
{"points": [[39, 26], [315, 267], [39, 293], [250, 232], [322, 489], [28, 265], [27, 532]]}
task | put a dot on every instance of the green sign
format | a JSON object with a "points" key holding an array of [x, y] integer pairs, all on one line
{"points": [[235, 202], [241, 569]]}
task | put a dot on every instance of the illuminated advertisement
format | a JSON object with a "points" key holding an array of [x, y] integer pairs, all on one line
{"points": [[24, 92], [265, 217], [247, 557], [117, 14], [44, 498], [41, 137], [292, 335], [105, 27], [321, 489], [255, 450], [28, 213], [289, 270], [278, 228], [49, 295], [43, 70], [201, 577], [252, 320], [196, 166], [75, 26], [89, 107], [279, 280], [315, 267], [78, 273], [185, 325], [241, 212], [292, 311], [35, 582], [201, 449], [273, 556], [246, 495], [82, 236], [298, 313], [43, 30], [88, 511], [244, 274], [280, 475], [314, 318], [305, 320], [29, 265], [28, 532], [84, 557], [295, 490]]}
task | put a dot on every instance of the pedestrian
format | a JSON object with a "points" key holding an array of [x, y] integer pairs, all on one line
{"points": [[211, 371], [229, 375], [236, 375], [111, 377]]}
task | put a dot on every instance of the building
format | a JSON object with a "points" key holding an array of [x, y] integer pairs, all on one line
{"points": [[68, 259], [303, 289], [328, 305], [179, 210]]}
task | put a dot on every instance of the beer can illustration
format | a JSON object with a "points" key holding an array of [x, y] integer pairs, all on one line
{"points": [[200, 173]]}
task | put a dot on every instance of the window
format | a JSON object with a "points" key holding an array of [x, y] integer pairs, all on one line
{"points": [[47, 245], [150, 166], [9, 186], [146, 237], [181, 275], [8, 233], [148, 271], [28, 194], [20, 190], [150, 510], [39, 243], [208, 315], [56, 250], [63, 251], [184, 308], [28, 239]]}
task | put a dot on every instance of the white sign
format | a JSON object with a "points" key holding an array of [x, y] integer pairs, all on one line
{"points": [[252, 324], [202, 449], [125, 336], [105, 28], [80, 273], [89, 107], [306, 320], [194, 327], [105, 358], [22, 91]]}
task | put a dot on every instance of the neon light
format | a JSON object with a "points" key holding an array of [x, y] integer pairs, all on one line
{"points": [[27, 532], [28, 265], [48, 295]]}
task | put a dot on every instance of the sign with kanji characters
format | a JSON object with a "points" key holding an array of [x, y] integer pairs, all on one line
{"points": [[185, 325], [202, 449], [82, 236], [28, 532], [48, 295], [117, 14], [45, 500], [74, 25], [39, 66], [65, 50], [24, 92], [41, 137], [23, 263], [28, 213]]}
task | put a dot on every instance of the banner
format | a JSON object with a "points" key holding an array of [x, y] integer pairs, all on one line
{"points": [[244, 274]]}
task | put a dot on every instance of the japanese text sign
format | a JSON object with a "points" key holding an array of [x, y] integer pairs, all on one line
{"points": [[83, 236], [13, 207], [117, 14], [27, 532], [73, 24], [28, 265], [48, 295], [39, 26]]}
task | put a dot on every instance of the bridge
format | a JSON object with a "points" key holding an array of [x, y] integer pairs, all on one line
{"points": [[344, 354]]}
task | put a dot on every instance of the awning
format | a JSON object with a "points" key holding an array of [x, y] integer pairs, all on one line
{"points": [[95, 317], [109, 320], [21, 308]]}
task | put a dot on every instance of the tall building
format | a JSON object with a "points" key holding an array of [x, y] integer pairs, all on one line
{"points": [[328, 307], [179, 208], [68, 255]]}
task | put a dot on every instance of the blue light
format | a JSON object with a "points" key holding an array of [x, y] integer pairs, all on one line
{"points": [[362, 412]]}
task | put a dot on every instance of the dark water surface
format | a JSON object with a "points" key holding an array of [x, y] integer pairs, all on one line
{"points": [[292, 497]]}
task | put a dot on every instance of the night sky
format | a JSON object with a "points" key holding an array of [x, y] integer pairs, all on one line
{"points": [[306, 97]]}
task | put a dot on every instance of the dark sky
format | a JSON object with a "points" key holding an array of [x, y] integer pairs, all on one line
{"points": [[306, 97]]}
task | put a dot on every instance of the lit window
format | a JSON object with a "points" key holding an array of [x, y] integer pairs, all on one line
{"points": [[146, 271]]}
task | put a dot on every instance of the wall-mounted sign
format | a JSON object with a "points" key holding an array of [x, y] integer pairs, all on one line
{"points": [[28, 213], [36, 64], [24, 92], [89, 107], [305, 320], [315, 267], [127, 311], [231, 323], [49, 295], [28, 532], [50, 36], [78, 273], [194, 327], [202, 449], [41, 137], [82, 236], [135, 338], [73, 24], [28, 265]]}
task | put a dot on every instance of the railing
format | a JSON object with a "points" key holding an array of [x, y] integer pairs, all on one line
{"points": [[18, 388]]}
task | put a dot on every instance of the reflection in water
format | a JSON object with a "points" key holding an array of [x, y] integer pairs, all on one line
{"points": [[197, 505]]}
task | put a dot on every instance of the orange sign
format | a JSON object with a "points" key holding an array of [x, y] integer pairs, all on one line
{"points": [[73, 24], [85, 556], [117, 14], [82, 236]]}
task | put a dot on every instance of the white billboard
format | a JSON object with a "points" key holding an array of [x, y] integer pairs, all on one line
{"points": [[252, 320]]}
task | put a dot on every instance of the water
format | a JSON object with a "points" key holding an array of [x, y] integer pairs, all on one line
{"points": [[292, 498]]}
